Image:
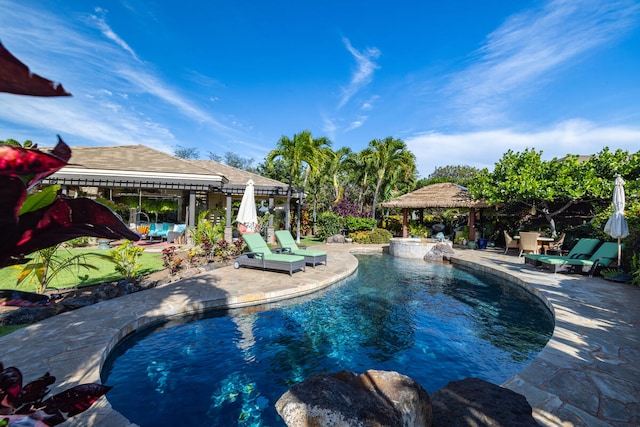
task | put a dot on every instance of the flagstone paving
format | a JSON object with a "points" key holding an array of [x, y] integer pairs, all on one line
{"points": [[588, 374]]}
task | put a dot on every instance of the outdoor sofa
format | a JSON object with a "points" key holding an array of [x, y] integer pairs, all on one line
{"points": [[260, 256], [289, 246]]}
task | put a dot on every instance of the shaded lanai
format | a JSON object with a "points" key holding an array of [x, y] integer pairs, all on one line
{"points": [[138, 170]]}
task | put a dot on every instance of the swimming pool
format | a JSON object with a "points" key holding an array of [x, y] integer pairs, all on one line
{"points": [[433, 322]]}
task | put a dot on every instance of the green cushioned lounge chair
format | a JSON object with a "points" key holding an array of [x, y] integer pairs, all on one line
{"points": [[582, 250], [288, 245], [261, 256], [603, 257]]}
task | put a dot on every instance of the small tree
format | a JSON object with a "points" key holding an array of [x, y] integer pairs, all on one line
{"points": [[126, 258], [47, 264]]}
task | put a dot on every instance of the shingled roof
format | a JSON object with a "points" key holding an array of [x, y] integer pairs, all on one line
{"points": [[140, 165], [236, 177], [442, 195], [139, 158]]}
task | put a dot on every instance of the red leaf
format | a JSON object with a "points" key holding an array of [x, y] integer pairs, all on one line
{"points": [[36, 390], [10, 385], [75, 400], [61, 152], [63, 220], [15, 298], [15, 77], [16, 161]]}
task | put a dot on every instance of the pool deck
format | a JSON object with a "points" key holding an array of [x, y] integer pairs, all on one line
{"points": [[588, 374]]}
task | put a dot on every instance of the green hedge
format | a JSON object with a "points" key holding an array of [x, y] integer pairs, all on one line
{"points": [[379, 235]]}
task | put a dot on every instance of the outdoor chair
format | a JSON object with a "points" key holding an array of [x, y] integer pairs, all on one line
{"points": [[606, 254], [582, 249], [260, 256], [509, 242], [555, 246], [289, 246], [529, 242], [176, 232]]}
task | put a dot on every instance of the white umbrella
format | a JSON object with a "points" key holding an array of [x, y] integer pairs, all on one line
{"points": [[617, 226], [247, 213]]}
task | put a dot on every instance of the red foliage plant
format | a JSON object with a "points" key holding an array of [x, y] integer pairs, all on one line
{"points": [[37, 221]]}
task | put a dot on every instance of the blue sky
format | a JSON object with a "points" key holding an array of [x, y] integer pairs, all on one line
{"points": [[460, 82]]}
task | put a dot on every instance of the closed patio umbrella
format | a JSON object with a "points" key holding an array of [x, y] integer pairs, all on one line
{"points": [[617, 226], [247, 213]]}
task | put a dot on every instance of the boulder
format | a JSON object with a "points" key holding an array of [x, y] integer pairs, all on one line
{"points": [[336, 238], [104, 292], [439, 252], [125, 288], [478, 403], [374, 398], [28, 315]]}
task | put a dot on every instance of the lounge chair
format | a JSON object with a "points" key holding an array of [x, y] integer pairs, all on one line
{"points": [[260, 256], [289, 246], [582, 250], [606, 254]]}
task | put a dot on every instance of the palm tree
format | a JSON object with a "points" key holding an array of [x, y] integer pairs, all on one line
{"points": [[359, 165], [303, 152], [392, 162]]}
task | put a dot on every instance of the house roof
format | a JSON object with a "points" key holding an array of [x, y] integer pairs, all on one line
{"points": [[442, 195], [145, 167], [238, 178]]}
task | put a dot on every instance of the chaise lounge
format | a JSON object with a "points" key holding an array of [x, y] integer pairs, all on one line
{"points": [[289, 246], [603, 257], [582, 250], [260, 256]]}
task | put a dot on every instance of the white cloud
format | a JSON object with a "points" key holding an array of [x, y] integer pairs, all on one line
{"points": [[93, 65], [101, 24], [523, 52], [356, 123], [363, 74], [485, 148]]}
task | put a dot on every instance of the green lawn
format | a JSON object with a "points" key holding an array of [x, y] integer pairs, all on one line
{"points": [[151, 261]]}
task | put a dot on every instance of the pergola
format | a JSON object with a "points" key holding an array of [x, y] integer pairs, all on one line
{"points": [[442, 195]]}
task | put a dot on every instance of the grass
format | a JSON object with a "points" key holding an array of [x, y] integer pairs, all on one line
{"points": [[6, 330], [150, 261]]}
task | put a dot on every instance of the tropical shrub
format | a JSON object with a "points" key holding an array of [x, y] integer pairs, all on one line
{"points": [[352, 223], [79, 242], [379, 235], [27, 406], [126, 258], [170, 260], [393, 223], [329, 224]]}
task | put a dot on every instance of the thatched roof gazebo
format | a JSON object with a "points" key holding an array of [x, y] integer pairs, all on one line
{"points": [[442, 195]]}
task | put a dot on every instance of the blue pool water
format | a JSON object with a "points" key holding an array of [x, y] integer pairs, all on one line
{"points": [[432, 322]]}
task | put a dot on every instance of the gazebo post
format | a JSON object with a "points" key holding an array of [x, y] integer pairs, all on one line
{"points": [[472, 225], [405, 232]]}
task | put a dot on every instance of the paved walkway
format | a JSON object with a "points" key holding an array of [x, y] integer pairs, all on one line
{"points": [[587, 375]]}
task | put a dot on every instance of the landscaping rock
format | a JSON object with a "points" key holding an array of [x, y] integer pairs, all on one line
{"points": [[439, 252], [374, 398], [76, 302], [27, 315], [124, 288], [104, 292], [474, 402], [337, 238]]}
